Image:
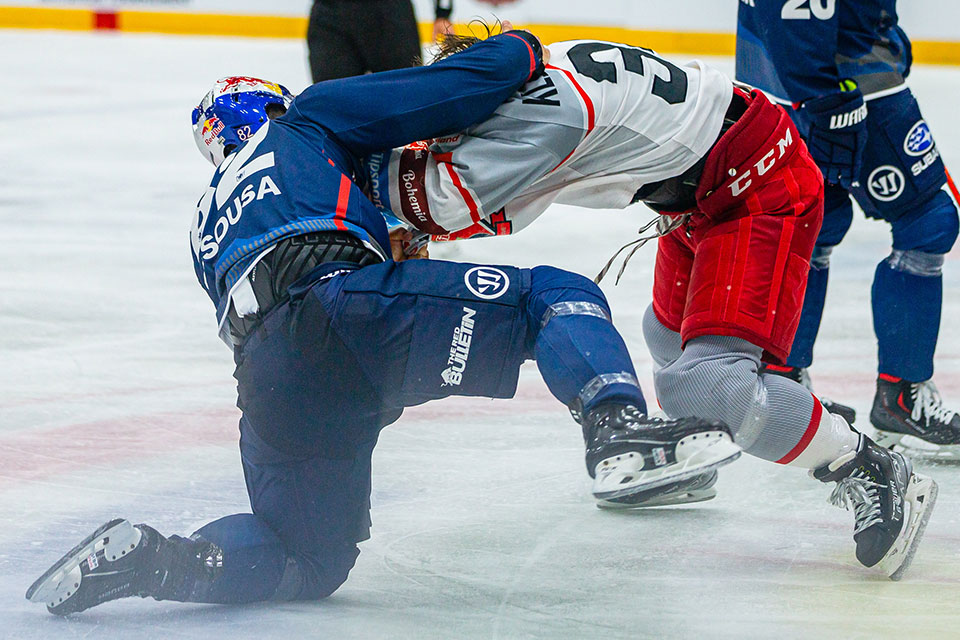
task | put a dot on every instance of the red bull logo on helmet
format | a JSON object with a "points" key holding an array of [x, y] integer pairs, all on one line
{"points": [[211, 129]]}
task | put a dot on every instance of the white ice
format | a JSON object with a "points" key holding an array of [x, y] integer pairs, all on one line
{"points": [[116, 399]]}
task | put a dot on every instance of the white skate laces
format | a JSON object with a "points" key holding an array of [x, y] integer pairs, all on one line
{"points": [[861, 492], [928, 405], [663, 224]]}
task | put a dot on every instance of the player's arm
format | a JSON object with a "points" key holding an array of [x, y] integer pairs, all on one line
{"points": [[478, 181], [391, 109]]}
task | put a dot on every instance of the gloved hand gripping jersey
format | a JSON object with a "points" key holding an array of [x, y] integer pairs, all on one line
{"points": [[838, 133]]}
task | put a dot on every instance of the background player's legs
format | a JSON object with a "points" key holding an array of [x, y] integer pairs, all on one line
{"points": [[907, 292], [390, 35], [333, 49], [837, 218], [903, 182]]}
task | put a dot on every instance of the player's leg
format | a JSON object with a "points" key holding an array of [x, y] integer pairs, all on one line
{"points": [[464, 329], [837, 217], [713, 375], [307, 468], [333, 49], [634, 460], [743, 298], [905, 184], [392, 38], [299, 544]]}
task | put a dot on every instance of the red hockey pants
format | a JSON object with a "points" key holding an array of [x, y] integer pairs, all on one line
{"points": [[739, 266]]}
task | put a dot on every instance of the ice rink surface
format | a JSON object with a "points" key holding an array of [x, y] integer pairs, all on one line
{"points": [[116, 399]]}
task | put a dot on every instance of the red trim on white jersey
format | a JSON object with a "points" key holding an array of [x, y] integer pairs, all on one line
{"points": [[445, 159], [587, 102]]}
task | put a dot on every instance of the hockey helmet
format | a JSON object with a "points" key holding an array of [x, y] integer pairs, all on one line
{"points": [[233, 111]]}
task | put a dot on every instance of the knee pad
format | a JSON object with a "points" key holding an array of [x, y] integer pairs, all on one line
{"points": [[931, 227], [553, 292], [712, 367]]}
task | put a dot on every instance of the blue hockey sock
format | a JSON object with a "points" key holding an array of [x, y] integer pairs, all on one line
{"points": [[584, 357], [801, 353], [906, 316], [578, 351]]}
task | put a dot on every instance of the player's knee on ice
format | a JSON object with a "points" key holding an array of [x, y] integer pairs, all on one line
{"points": [[258, 567], [316, 576]]}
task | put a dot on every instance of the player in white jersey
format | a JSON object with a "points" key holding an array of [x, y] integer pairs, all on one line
{"points": [[609, 125], [570, 141]]}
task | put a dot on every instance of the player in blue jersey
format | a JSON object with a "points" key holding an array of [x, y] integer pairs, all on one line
{"points": [[332, 338], [839, 66]]}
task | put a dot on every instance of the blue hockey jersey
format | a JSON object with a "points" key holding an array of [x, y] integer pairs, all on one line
{"points": [[296, 174], [800, 49]]}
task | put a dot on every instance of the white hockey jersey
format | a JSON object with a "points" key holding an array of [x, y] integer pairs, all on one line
{"points": [[604, 120]]}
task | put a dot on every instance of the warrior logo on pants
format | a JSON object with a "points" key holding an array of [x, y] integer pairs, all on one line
{"points": [[487, 283]]}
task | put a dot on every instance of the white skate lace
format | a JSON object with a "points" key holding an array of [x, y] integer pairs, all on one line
{"points": [[664, 224], [927, 402], [861, 492]]}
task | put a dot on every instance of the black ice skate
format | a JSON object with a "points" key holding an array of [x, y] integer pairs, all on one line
{"points": [[696, 489], [891, 504], [120, 560], [911, 415], [802, 376], [629, 453]]}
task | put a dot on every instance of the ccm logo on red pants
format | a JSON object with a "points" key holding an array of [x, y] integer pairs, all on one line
{"points": [[761, 167]]}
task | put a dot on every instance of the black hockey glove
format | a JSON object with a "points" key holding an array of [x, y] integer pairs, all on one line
{"points": [[838, 134]]}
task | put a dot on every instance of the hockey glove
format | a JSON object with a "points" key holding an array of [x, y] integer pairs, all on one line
{"points": [[409, 244], [838, 134]]}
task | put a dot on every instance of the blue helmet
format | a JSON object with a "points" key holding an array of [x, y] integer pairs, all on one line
{"points": [[232, 112]]}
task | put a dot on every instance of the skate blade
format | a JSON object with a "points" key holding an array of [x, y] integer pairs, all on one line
{"points": [[915, 447], [624, 474], [115, 538], [920, 497], [682, 497]]}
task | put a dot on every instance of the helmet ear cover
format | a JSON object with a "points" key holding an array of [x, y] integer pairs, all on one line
{"points": [[233, 111]]}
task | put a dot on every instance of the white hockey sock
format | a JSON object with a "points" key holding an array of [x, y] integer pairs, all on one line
{"points": [[828, 436]]}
